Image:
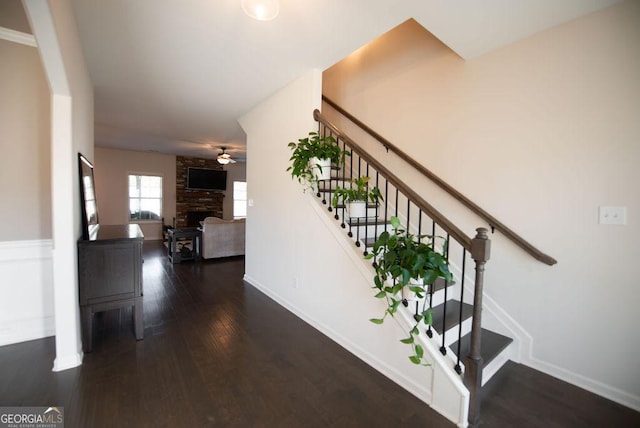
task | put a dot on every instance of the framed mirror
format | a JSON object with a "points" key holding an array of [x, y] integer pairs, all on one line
{"points": [[89, 207]]}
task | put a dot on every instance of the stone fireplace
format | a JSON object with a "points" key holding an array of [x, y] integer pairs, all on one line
{"points": [[192, 206], [195, 217]]}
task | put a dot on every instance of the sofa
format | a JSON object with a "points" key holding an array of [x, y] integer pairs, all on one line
{"points": [[222, 238]]}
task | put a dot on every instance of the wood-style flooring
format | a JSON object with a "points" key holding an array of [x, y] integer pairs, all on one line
{"points": [[219, 353]]}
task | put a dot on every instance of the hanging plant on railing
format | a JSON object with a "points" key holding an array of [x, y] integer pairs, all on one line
{"points": [[312, 158], [405, 265], [356, 197]]}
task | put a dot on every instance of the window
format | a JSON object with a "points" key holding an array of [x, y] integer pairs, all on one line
{"points": [[145, 197], [239, 199]]}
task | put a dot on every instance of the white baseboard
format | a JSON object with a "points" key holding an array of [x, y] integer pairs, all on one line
{"points": [[67, 362], [17, 331], [457, 416], [606, 391], [422, 392], [409, 384]]}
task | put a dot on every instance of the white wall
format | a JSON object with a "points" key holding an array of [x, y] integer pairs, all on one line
{"points": [[54, 27], [540, 134], [26, 291], [111, 169], [298, 255]]}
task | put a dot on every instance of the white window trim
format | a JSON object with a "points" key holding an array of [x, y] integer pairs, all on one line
{"points": [[145, 221], [233, 207]]}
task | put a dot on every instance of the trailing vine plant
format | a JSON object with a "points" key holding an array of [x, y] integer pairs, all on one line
{"points": [[360, 192], [403, 261], [312, 146]]}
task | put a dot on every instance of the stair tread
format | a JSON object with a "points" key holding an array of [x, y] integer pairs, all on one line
{"points": [[440, 284], [370, 241], [366, 221], [325, 181], [327, 189], [369, 206], [452, 317], [492, 344]]}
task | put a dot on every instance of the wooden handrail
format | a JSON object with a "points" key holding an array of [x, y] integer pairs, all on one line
{"points": [[491, 220], [426, 207]]}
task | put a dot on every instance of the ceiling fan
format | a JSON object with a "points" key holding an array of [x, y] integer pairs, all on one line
{"points": [[224, 157]]}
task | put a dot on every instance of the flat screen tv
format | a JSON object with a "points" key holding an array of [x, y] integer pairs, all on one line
{"points": [[214, 180]]}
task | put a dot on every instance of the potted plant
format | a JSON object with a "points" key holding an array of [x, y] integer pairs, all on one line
{"points": [[406, 264], [312, 158], [357, 196]]}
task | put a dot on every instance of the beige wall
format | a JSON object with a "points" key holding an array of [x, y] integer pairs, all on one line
{"points": [[56, 33], [26, 312], [539, 133], [111, 168], [12, 16], [25, 171], [62, 121]]}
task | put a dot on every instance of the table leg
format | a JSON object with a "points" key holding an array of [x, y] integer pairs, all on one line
{"points": [[138, 320], [87, 328]]}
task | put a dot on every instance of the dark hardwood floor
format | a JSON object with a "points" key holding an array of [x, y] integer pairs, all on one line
{"points": [[519, 396], [217, 352]]}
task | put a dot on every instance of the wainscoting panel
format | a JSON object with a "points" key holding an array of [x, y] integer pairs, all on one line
{"points": [[26, 291]]}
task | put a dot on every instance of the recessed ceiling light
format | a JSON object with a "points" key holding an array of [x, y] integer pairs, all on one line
{"points": [[262, 10]]}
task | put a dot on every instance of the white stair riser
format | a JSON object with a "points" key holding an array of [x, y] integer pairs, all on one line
{"points": [[494, 366], [451, 335], [371, 213], [453, 292]]}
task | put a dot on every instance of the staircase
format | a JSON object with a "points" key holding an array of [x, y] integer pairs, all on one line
{"points": [[475, 353]]}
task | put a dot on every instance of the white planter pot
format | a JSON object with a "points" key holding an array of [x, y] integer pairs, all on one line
{"points": [[357, 209], [324, 172]]}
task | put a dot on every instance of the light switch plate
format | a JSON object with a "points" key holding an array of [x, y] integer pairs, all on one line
{"points": [[612, 215]]}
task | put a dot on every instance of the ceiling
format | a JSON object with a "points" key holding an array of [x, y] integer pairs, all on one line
{"points": [[174, 76]]}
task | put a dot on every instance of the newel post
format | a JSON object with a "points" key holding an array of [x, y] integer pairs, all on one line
{"points": [[480, 252]]}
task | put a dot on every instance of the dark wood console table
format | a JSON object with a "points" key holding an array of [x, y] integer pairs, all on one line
{"points": [[193, 235], [110, 276]]}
